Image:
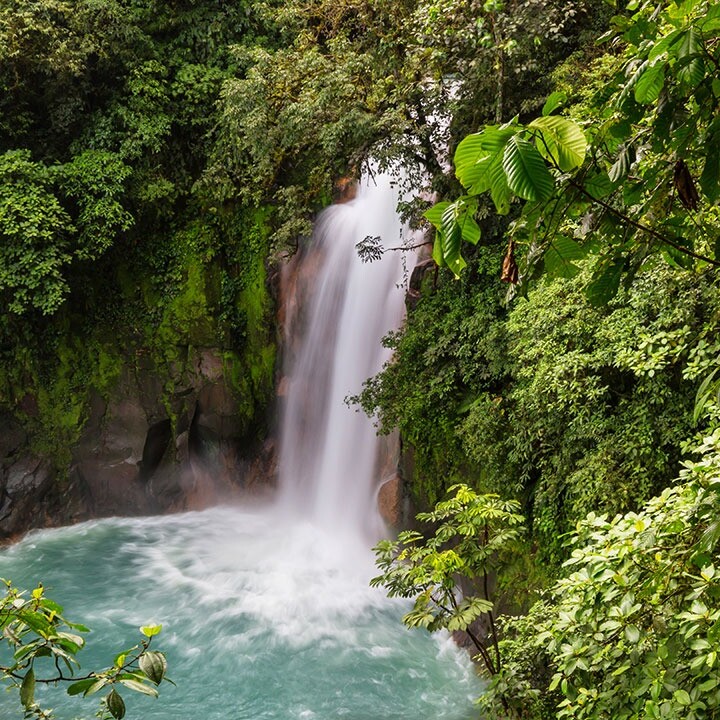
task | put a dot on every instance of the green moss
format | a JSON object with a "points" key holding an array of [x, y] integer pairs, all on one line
{"points": [[202, 285], [188, 317], [61, 386]]}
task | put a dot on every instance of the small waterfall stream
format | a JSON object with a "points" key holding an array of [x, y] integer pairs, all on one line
{"points": [[267, 612]]}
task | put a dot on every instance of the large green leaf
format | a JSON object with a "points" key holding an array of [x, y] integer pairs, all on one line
{"points": [[675, 257], [139, 687], [691, 66], [664, 44], [454, 222], [451, 238], [599, 186], [477, 154], [711, 22], [527, 174], [437, 251], [435, 213], [469, 228], [688, 44], [621, 167], [115, 705], [692, 71], [561, 141], [81, 686], [710, 177], [499, 190], [468, 156], [154, 665], [554, 101], [650, 83]]}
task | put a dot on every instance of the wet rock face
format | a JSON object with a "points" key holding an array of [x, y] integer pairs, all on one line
{"points": [[25, 481], [422, 270], [142, 450]]}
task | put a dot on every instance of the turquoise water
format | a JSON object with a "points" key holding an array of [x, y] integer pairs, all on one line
{"points": [[263, 616]]}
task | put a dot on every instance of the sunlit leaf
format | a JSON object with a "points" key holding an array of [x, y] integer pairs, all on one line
{"points": [[139, 687], [554, 101], [435, 213], [81, 686], [650, 83], [527, 174], [95, 686], [150, 630], [478, 154], [562, 141], [450, 239]]}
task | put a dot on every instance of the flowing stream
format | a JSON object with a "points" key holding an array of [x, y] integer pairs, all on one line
{"points": [[266, 610]]}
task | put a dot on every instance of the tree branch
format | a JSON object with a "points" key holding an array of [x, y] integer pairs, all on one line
{"points": [[643, 228]]}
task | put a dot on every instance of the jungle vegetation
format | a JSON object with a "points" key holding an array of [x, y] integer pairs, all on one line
{"points": [[561, 362]]}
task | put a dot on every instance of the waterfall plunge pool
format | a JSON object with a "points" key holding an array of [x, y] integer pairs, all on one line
{"points": [[267, 612], [264, 616]]}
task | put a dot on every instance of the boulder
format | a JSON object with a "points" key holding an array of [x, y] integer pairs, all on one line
{"points": [[390, 501]]}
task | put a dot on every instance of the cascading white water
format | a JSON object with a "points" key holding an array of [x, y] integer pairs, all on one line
{"points": [[328, 459]]}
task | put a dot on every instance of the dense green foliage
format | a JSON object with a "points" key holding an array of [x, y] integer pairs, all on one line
{"points": [[398, 81], [632, 631], [112, 252], [43, 647], [569, 407], [568, 398]]}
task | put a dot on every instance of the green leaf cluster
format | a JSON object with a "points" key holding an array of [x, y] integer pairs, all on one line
{"points": [[473, 535], [44, 646], [51, 217], [507, 161]]}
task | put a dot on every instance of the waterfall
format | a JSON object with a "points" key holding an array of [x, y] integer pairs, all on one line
{"points": [[328, 450], [266, 609]]}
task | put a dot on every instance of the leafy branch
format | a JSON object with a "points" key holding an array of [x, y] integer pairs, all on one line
{"points": [[658, 110], [36, 631], [473, 535]]}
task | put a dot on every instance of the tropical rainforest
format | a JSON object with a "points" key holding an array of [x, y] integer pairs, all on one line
{"points": [[556, 382]]}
